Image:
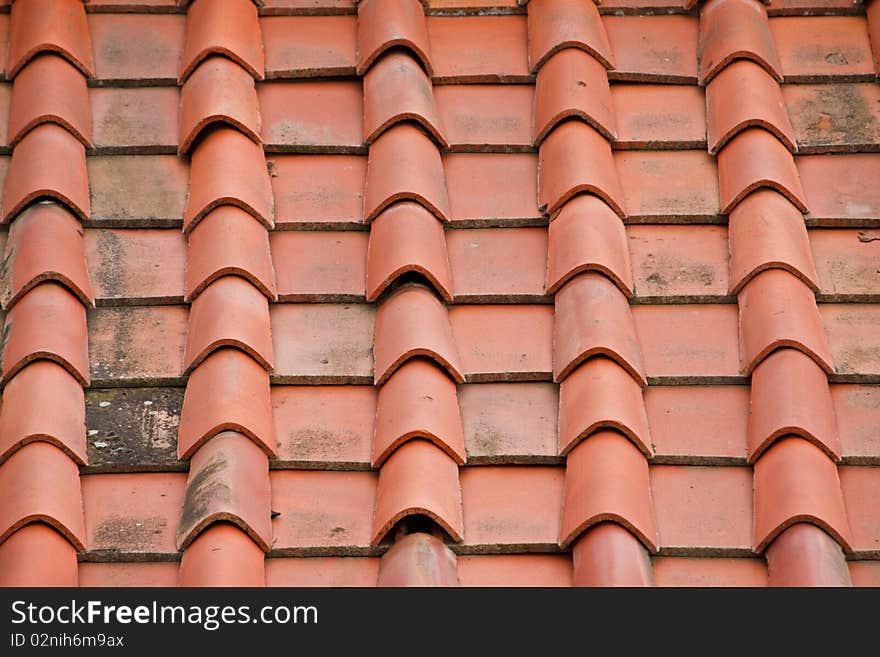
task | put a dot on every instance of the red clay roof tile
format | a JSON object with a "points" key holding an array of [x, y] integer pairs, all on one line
{"points": [[690, 572], [418, 401], [218, 91], [412, 322], [222, 555], [857, 409], [754, 159], [47, 322], [600, 394], [37, 555], [45, 243], [865, 573], [795, 482], [515, 174], [835, 189], [229, 241], [229, 313], [137, 46], [479, 49], [324, 45], [804, 555], [573, 85], [418, 559], [228, 391], [859, 485], [228, 482], [607, 554], [486, 117], [498, 264], [515, 570], [49, 25], [39, 483], [790, 396], [575, 159], [558, 24], [659, 116], [873, 18], [744, 95], [593, 318], [228, 168], [385, 24], [324, 424], [142, 120], [230, 28], [504, 342], [404, 239], [735, 29], [854, 340], [318, 190], [155, 574], [778, 310], [812, 47], [848, 262], [834, 117], [48, 162], [271, 7], [323, 343], [322, 571], [397, 89], [39, 386], [49, 90], [320, 266], [587, 236], [653, 48], [404, 164]]}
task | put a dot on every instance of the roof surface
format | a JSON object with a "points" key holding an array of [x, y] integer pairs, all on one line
{"points": [[467, 292]]}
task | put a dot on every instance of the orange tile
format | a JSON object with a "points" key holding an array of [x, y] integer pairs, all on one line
{"points": [[120, 349], [835, 189], [384, 24], [517, 175], [512, 506], [137, 46], [661, 187], [135, 120], [56, 25], [324, 424], [498, 264], [127, 574], [678, 261], [418, 559], [231, 29], [690, 572], [655, 116], [859, 485], [698, 422], [141, 190], [857, 409], [685, 342], [37, 555], [322, 511], [136, 264], [780, 7], [703, 507], [653, 48], [515, 570], [273, 7], [319, 266], [504, 342], [848, 262], [509, 422], [865, 573], [816, 47], [5, 99], [485, 117], [479, 48], [324, 45], [834, 117], [133, 513], [312, 191], [322, 571], [323, 343], [303, 115], [558, 24], [804, 555], [222, 555], [609, 555]]}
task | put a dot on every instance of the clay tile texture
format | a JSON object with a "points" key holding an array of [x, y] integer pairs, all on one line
{"points": [[336, 293]]}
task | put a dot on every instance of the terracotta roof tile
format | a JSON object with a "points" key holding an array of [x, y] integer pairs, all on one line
{"points": [[128, 574], [228, 391], [231, 29], [324, 424], [558, 24], [227, 483], [834, 117], [515, 174], [49, 89], [418, 559], [479, 49], [333, 345], [47, 322], [486, 117], [229, 313], [37, 555], [320, 266], [222, 555], [814, 47], [48, 162], [865, 573], [40, 483], [848, 263], [515, 570], [418, 478], [572, 84], [835, 190], [859, 486], [410, 323], [407, 239], [653, 48], [49, 25], [509, 422], [318, 190], [143, 190], [418, 401], [324, 45], [272, 7], [796, 482], [138, 120], [498, 264], [853, 339], [689, 572], [384, 24], [857, 409], [804, 555], [607, 554], [322, 571], [659, 116], [593, 318], [504, 342], [735, 29], [137, 48], [45, 243], [873, 18], [397, 89]]}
